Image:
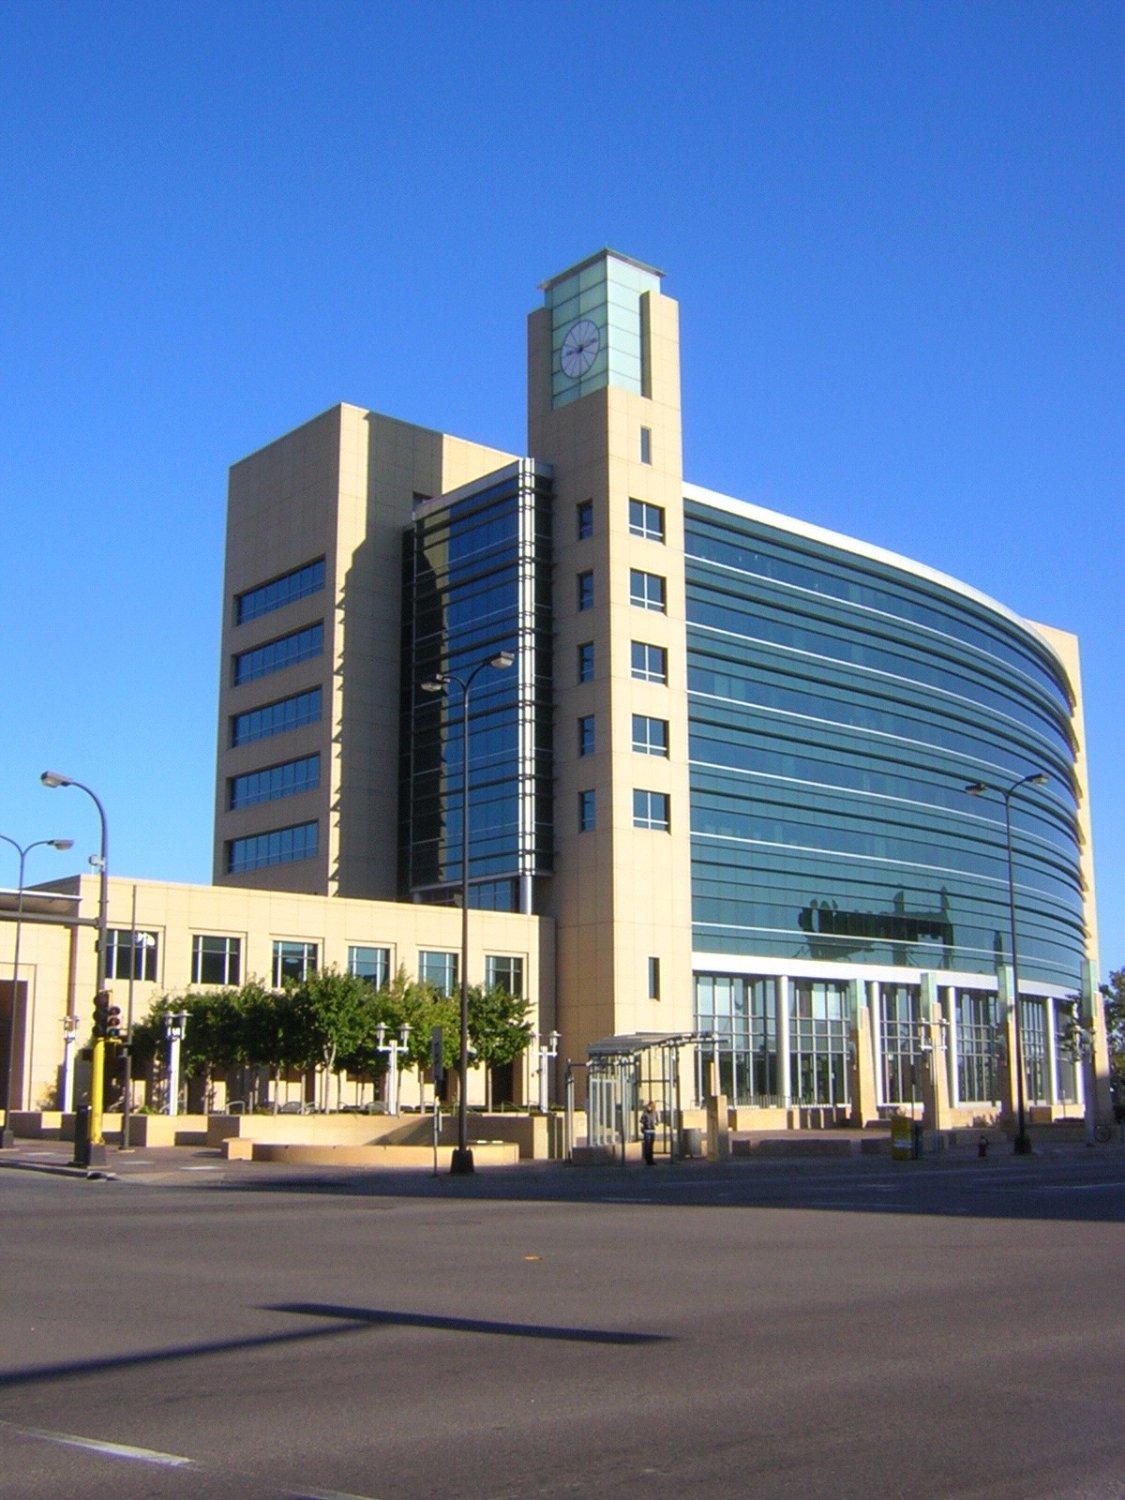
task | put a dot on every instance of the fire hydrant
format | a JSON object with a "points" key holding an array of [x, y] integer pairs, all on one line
{"points": [[982, 1146]]}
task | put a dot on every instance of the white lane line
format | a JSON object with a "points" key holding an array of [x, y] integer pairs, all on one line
{"points": [[111, 1450], [1078, 1187], [326, 1495], [201, 1169]]}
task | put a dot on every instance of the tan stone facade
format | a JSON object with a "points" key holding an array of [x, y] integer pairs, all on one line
{"points": [[57, 964], [339, 488]]}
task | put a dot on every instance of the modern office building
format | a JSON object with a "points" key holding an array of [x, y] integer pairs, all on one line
{"points": [[730, 761]]}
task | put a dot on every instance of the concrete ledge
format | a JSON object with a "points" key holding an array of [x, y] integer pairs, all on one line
{"points": [[797, 1147], [594, 1156], [167, 1130], [485, 1154]]}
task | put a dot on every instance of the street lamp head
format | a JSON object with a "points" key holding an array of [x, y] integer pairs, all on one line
{"points": [[502, 661], [1039, 780], [61, 843], [434, 684], [53, 778]]}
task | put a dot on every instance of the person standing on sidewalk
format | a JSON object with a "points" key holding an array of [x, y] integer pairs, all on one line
{"points": [[648, 1133]]}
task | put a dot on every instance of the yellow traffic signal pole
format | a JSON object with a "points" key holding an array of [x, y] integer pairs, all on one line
{"points": [[92, 1152]]}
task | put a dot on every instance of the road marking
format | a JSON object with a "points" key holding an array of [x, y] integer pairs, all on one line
{"points": [[162, 1460], [201, 1169], [111, 1450], [1078, 1187], [326, 1495]]}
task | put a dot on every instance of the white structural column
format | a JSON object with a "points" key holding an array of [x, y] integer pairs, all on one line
{"points": [[949, 1011], [781, 1003], [872, 987], [1049, 1022], [873, 1011]]}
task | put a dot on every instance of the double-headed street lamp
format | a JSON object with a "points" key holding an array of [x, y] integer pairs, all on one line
{"points": [[1022, 1145], [91, 1152], [8, 1135], [462, 1161]]}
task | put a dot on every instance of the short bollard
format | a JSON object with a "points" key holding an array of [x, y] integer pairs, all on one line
{"points": [[982, 1146]]}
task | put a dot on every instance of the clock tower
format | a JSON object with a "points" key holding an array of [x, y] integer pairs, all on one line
{"points": [[604, 412]]}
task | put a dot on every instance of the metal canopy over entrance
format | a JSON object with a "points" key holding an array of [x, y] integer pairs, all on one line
{"points": [[623, 1073]]}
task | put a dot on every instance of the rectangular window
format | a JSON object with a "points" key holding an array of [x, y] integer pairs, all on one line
{"points": [[900, 1041], [587, 811], [978, 1046], [646, 590], [586, 734], [280, 846], [650, 663], [646, 445], [585, 590], [372, 964], [438, 969], [285, 780], [650, 736], [646, 521], [292, 960], [650, 810], [275, 656], [276, 718], [586, 662], [819, 1033], [654, 979], [216, 960], [503, 973], [267, 597], [130, 953], [585, 516]]}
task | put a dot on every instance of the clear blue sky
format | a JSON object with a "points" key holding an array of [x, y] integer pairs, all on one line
{"points": [[892, 230]]}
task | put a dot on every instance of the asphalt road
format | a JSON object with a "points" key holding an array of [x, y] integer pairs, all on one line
{"points": [[945, 1328]]}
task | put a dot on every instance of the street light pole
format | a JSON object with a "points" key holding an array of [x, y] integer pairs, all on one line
{"points": [[1022, 1145], [8, 1135], [93, 1151], [461, 1163]]}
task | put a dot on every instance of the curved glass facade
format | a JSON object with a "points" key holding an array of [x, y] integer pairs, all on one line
{"points": [[838, 707]]}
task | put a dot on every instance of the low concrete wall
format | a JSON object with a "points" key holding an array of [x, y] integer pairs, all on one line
{"points": [[168, 1130], [757, 1117], [39, 1124], [528, 1133], [486, 1154], [798, 1146]]}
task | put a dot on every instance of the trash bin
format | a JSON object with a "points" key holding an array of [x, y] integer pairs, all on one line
{"points": [[691, 1141], [902, 1138]]}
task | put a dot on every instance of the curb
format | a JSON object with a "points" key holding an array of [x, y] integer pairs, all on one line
{"points": [[90, 1174]]}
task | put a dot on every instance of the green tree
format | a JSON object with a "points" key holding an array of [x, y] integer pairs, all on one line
{"points": [[499, 1030], [269, 1034], [332, 1013], [1113, 998]]}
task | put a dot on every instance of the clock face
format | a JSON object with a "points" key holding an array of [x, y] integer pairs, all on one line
{"points": [[580, 348]]}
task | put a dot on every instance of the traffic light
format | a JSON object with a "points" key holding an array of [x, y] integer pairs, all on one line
{"points": [[101, 1013], [114, 1025]]}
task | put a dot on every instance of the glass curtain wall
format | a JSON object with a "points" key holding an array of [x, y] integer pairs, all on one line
{"points": [[900, 1037], [838, 706], [477, 581], [819, 1032], [978, 1052], [742, 1013]]}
